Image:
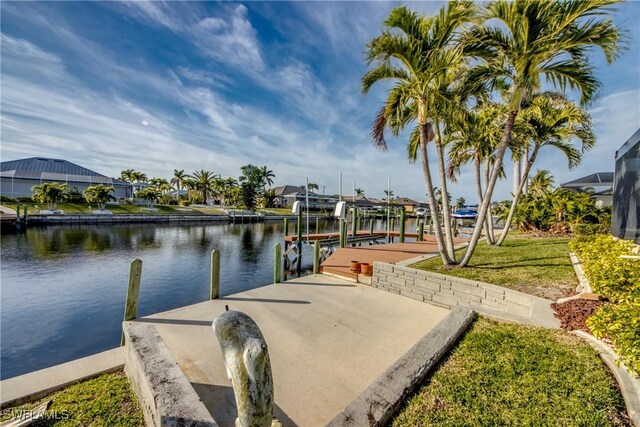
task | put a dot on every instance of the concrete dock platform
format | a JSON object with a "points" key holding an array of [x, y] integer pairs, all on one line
{"points": [[328, 339]]}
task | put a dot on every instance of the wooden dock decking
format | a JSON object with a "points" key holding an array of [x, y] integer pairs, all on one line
{"points": [[336, 235], [339, 263]]}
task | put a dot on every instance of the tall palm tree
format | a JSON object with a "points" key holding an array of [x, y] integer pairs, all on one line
{"points": [[139, 177], [203, 181], [267, 176], [552, 121], [540, 183], [127, 175], [359, 192], [417, 54], [179, 176], [522, 41]]}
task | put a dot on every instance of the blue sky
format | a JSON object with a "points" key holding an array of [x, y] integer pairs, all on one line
{"points": [[193, 85]]}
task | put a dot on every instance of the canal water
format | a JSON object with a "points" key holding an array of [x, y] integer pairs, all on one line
{"points": [[62, 288]]}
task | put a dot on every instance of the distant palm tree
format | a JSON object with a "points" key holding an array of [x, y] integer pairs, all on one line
{"points": [[139, 177], [267, 176], [312, 186], [460, 203], [203, 182], [388, 194], [50, 193], [359, 192], [540, 183], [127, 175], [99, 194], [178, 180]]}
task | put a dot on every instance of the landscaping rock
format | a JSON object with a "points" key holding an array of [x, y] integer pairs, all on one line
{"points": [[573, 314]]}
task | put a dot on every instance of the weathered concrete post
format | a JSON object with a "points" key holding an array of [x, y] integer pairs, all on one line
{"points": [[316, 257], [454, 226], [371, 226], [420, 230], [133, 291], [246, 359], [25, 214], [286, 227], [342, 233], [317, 225], [277, 274], [214, 278], [402, 224]]}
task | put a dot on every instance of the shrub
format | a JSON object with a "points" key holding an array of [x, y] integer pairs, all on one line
{"points": [[7, 199], [620, 324], [618, 280]]}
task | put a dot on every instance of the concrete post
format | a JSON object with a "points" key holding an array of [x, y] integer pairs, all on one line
{"points": [[286, 227], [402, 224], [420, 230]]}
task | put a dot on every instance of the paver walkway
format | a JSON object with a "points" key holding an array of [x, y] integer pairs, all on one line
{"points": [[328, 340]]}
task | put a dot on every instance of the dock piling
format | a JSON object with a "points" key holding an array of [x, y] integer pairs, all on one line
{"points": [[420, 230], [286, 227], [402, 224], [277, 274], [371, 226], [133, 291], [317, 225], [299, 244], [214, 280], [354, 220], [342, 233], [316, 257]]}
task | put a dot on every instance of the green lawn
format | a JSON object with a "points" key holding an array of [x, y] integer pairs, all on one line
{"points": [[107, 400], [83, 208], [533, 265], [514, 375]]}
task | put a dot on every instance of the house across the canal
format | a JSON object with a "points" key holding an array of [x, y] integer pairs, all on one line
{"points": [[17, 177]]}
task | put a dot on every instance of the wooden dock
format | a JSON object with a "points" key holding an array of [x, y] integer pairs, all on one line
{"points": [[339, 263], [380, 234]]}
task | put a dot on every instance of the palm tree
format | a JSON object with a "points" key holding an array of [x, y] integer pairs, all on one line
{"points": [[50, 193], [266, 177], [418, 55], [552, 121], [540, 183], [388, 194], [460, 203], [359, 192], [139, 177], [99, 194], [522, 41], [178, 180], [127, 175], [203, 183]]}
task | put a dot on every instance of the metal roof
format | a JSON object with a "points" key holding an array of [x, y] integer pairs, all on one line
{"points": [[598, 179], [43, 168]]}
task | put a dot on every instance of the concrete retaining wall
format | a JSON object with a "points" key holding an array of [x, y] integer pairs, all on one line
{"points": [[166, 396], [449, 292]]}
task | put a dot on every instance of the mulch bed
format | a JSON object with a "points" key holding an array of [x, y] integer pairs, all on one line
{"points": [[572, 314]]}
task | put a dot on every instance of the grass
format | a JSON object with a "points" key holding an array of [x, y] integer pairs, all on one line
{"points": [[83, 208], [107, 400], [538, 266], [507, 374]]}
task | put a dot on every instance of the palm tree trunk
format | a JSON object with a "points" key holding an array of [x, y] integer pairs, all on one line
{"points": [[446, 210], [486, 201], [516, 197], [491, 237], [476, 164], [431, 196]]}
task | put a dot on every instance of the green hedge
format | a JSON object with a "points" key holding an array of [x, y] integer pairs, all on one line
{"points": [[618, 280]]}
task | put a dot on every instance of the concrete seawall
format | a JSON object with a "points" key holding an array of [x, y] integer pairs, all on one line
{"points": [[40, 220]]}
